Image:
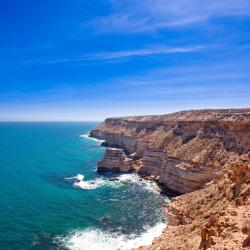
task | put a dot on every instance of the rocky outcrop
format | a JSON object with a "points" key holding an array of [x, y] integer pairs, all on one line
{"points": [[215, 217], [186, 149], [204, 154], [115, 140], [174, 174], [115, 160]]}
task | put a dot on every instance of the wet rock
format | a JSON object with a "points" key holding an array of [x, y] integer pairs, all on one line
{"points": [[105, 220], [113, 179]]}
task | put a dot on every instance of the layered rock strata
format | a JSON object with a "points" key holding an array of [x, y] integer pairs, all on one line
{"points": [[185, 150], [115, 160], [174, 174], [204, 154], [214, 217]]}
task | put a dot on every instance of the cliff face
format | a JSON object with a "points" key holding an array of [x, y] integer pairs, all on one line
{"points": [[184, 150], [115, 160], [215, 217]]}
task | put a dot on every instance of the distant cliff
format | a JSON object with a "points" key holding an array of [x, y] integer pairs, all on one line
{"points": [[183, 150]]}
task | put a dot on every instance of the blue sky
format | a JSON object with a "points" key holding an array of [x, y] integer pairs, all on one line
{"points": [[87, 60]]}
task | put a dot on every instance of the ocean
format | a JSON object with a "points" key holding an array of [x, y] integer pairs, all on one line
{"points": [[53, 198]]}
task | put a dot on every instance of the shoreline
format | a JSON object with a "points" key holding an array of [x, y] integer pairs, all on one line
{"points": [[115, 178], [155, 179], [162, 148], [149, 179], [100, 239]]}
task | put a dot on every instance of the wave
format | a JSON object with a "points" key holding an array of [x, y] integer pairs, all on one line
{"points": [[120, 180], [146, 184], [87, 136], [79, 182], [78, 177], [95, 239], [134, 178], [89, 184]]}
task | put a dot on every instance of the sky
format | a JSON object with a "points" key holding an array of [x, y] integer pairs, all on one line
{"points": [[82, 60]]}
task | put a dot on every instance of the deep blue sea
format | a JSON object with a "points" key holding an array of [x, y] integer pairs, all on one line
{"points": [[45, 203]]}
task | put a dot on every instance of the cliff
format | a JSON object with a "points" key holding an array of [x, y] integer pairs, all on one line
{"points": [[115, 160], [203, 155], [214, 217], [184, 150]]}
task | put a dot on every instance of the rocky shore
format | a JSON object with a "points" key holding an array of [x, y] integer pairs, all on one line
{"points": [[193, 153], [214, 217]]}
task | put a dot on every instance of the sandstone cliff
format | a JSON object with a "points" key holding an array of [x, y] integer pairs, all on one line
{"points": [[204, 154], [115, 160], [185, 150], [215, 217]]}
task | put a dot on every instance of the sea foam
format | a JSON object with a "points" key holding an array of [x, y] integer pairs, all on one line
{"points": [[87, 136], [95, 239], [80, 182], [78, 177], [134, 178], [89, 184], [121, 180]]}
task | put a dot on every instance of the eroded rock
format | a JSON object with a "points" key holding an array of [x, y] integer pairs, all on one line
{"points": [[185, 149], [115, 160]]}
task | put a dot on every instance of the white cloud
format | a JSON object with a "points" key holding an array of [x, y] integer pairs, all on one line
{"points": [[132, 16], [113, 55], [154, 50]]}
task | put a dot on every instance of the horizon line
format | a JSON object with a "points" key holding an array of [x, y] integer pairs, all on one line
{"points": [[2, 121]]}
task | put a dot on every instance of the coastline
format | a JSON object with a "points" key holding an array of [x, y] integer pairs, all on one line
{"points": [[151, 233], [138, 152], [108, 237], [99, 239], [149, 179], [75, 239]]}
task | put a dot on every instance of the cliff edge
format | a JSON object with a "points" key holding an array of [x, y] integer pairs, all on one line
{"points": [[215, 217], [183, 150], [203, 155]]}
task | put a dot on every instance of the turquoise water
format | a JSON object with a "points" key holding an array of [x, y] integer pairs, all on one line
{"points": [[44, 207]]}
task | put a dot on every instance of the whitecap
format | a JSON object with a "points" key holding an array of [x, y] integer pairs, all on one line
{"points": [[95, 239], [87, 136], [78, 177], [128, 178], [122, 180], [89, 184], [133, 178], [81, 183]]}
